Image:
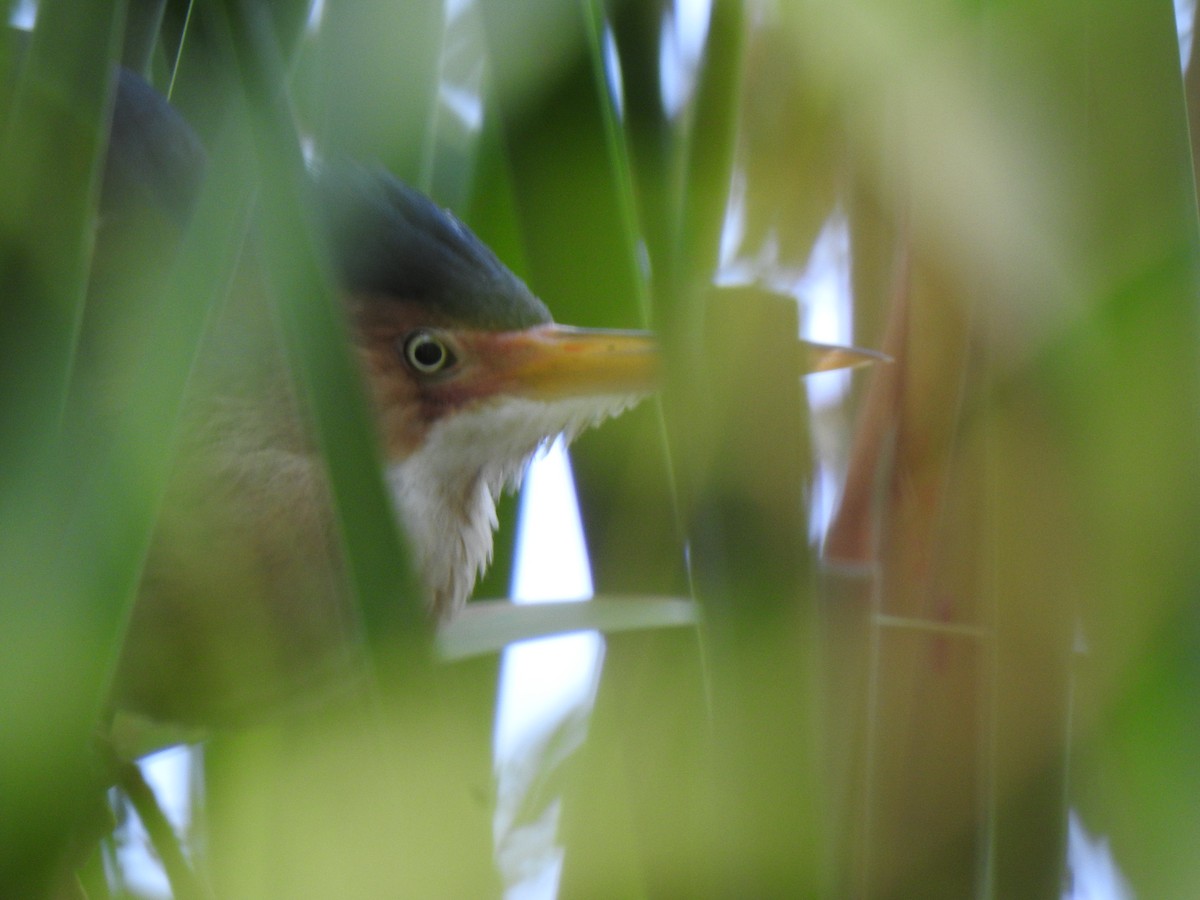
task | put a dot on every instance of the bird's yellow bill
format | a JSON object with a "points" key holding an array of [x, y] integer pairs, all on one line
{"points": [[557, 361], [816, 357]]}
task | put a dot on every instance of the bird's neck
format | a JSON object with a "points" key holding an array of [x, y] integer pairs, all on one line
{"points": [[446, 491]]}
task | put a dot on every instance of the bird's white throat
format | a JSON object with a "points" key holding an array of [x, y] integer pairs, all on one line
{"points": [[446, 492]]}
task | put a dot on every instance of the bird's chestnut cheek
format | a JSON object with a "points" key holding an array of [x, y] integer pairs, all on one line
{"points": [[392, 393], [435, 400], [407, 404]]}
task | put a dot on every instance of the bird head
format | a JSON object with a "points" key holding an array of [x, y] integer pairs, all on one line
{"points": [[467, 372]]}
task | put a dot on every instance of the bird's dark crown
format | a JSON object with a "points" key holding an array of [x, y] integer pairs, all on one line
{"points": [[388, 240]]}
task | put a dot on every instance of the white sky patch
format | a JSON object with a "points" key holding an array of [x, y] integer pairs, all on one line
{"points": [[169, 774], [612, 72], [733, 233], [464, 103], [822, 287], [826, 305], [456, 8], [1185, 24], [546, 682], [462, 69], [1094, 872], [826, 492], [826, 316], [681, 46], [822, 290], [308, 150], [23, 15], [316, 15]]}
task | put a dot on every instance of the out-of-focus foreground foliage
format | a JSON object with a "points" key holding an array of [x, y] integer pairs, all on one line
{"points": [[999, 624]]}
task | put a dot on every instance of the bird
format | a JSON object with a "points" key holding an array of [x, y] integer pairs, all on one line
{"points": [[243, 604]]}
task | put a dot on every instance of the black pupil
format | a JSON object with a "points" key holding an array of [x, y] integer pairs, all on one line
{"points": [[428, 353]]}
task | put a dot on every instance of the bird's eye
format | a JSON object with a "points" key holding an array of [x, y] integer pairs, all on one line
{"points": [[427, 353]]}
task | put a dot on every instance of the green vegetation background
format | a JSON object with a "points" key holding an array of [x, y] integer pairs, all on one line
{"points": [[1028, 159]]}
